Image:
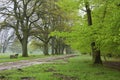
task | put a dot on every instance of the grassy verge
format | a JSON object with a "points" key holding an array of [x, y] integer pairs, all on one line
{"points": [[6, 58], [78, 68]]}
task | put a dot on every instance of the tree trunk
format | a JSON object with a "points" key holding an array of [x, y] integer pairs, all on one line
{"points": [[88, 10], [3, 49], [62, 49], [53, 46], [24, 45], [56, 46], [45, 50], [93, 50], [96, 54], [97, 57], [61, 46], [68, 49]]}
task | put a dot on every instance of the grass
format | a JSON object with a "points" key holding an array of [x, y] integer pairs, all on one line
{"points": [[77, 68], [6, 57]]}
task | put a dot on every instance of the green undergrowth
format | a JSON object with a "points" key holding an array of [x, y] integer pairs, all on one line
{"points": [[77, 68]]}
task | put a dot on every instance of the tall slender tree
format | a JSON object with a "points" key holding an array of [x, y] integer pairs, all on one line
{"points": [[95, 50]]}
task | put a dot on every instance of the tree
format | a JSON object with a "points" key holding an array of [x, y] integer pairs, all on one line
{"points": [[103, 35], [34, 45], [95, 49], [7, 37], [44, 26], [53, 19], [108, 26], [21, 15]]}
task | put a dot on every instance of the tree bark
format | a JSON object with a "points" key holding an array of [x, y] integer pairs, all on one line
{"points": [[93, 50], [97, 57], [45, 50], [59, 46], [24, 45], [88, 10], [53, 46], [62, 49]]}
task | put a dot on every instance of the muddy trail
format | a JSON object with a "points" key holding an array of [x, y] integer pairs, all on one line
{"points": [[26, 63], [112, 64], [51, 59]]}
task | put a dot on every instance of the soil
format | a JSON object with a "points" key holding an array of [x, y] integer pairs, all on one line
{"points": [[25, 63], [112, 64], [50, 70], [27, 78], [64, 77]]}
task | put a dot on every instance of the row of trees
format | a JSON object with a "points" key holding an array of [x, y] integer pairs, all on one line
{"points": [[90, 26], [97, 30], [36, 18]]}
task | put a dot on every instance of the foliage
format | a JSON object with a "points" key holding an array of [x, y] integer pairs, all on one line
{"points": [[15, 47], [34, 45], [105, 30], [106, 18]]}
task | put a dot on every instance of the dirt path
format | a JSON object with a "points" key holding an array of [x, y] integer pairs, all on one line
{"points": [[26, 63], [112, 64]]}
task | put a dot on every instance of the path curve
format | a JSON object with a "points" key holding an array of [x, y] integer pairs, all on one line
{"points": [[26, 63]]}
